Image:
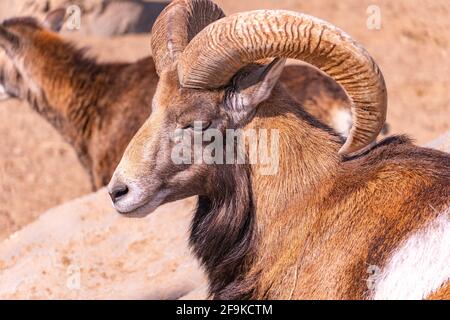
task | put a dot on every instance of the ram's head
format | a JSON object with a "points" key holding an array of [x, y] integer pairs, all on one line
{"points": [[209, 76]]}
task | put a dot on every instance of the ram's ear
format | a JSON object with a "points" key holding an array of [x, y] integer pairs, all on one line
{"points": [[9, 41], [54, 20], [251, 88]]}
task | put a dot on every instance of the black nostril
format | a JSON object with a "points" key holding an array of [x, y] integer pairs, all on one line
{"points": [[118, 192]]}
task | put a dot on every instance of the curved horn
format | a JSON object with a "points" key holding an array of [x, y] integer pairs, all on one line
{"points": [[177, 24], [214, 56]]}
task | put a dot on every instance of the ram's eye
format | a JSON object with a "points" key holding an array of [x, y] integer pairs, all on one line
{"points": [[198, 125]]}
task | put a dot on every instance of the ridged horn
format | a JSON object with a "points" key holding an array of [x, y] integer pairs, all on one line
{"points": [[176, 25], [214, 56]]}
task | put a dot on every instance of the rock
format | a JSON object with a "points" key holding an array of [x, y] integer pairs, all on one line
{"points": [[122, 17], [98, 17], [14, 8], [441, 143], [198, 294], [85, 250]]}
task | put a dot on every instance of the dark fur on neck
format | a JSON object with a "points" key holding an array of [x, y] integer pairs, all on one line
{"points": [[223, 234]]}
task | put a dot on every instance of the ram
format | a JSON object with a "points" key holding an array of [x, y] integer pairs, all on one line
{"points": [[98, 107], [339, 220]]}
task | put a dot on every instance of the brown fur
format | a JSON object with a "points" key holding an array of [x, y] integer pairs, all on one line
{"points": [[98, 107], [443, 293], [309, 232], [318, 94], [311, 88]]}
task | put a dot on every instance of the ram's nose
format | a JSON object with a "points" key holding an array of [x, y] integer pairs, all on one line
{"points": [[117, 191]]}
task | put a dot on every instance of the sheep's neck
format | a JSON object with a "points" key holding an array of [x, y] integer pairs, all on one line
{"points": [[70, 92], [308, 162], [239, 232], [66, 96], [222, 234]]}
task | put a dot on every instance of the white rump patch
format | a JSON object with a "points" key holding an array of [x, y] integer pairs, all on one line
{"points": [[419, 266]]}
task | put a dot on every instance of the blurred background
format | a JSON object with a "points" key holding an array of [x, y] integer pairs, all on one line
{"points": [[38, 170]]}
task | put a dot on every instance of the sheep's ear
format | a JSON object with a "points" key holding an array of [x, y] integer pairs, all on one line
{"points": [[8, 41], [54, 20], [251, 89]]}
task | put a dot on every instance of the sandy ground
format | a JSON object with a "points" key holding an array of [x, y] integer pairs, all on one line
{"points": [[38, 170]]}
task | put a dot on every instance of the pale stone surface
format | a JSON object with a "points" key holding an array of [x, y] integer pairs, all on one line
{"points": [[441, 143], [122, 17], [85, 250], [98, 17]]}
